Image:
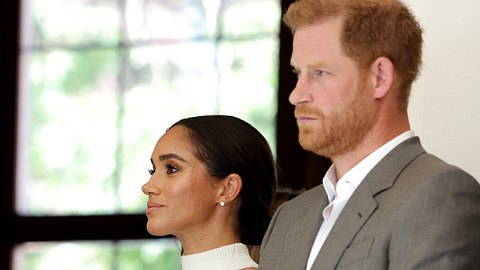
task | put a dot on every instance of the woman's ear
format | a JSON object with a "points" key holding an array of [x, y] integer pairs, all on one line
{"points": [[229, 189], [383, 73]]}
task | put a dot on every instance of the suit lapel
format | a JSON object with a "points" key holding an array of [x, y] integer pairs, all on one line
{"points": [[306, 224], [362, 204], [353, 216]]}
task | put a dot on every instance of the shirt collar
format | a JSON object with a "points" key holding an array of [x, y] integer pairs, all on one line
{"points": [[356, 174]]}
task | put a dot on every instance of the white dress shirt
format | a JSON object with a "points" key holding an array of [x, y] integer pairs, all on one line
{"points": [[340, 190]]}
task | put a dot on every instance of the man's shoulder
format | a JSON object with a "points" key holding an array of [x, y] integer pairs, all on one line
{"points": [[431, 164], [310, 197]]}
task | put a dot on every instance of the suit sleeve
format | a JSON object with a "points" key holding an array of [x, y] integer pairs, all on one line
{"points": [[266, 237]]}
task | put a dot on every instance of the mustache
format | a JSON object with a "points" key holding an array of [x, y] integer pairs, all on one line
{"points": [[303, 110]]}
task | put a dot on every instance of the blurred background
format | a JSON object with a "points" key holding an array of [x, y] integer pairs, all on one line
{"points": [[89, 86]]}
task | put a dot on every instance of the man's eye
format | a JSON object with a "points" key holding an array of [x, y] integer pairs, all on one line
{"points": [[171, 169], [319, 73], [296, 72], [151, 171]]}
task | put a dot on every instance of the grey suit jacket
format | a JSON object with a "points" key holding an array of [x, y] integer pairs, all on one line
{"points": [[412, 211]]}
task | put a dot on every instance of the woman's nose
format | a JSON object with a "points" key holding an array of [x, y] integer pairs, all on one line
{"points": [[148, 188]]}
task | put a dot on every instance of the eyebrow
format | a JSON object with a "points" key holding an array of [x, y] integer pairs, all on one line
{"points": [[318, 64], [171, 156]]}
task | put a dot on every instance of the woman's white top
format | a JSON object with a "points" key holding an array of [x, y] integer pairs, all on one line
{"points": [[230, 257]]}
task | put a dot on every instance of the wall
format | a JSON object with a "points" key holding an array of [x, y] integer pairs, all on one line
{"points": [[445, 102]]}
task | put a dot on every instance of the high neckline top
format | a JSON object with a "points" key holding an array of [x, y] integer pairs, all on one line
{"points": [[229, 257]]}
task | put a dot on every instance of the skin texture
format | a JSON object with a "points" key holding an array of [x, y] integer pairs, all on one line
{"points": [[184, 200], [334, 109], [342, 112]]}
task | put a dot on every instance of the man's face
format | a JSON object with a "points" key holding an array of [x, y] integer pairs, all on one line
{"points": [[334, 104]]}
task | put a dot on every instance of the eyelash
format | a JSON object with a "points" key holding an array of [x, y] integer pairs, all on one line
{"points": [[170, 169], [319, 73], [312, 74]]}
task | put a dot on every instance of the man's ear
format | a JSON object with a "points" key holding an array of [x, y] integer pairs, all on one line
{"points": [[230, 188], [383, 73]]}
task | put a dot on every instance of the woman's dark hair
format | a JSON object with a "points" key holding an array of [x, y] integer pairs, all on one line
{"points": [[226, 145]]}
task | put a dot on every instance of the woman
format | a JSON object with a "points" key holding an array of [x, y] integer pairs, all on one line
{"points": [[211, 186]]}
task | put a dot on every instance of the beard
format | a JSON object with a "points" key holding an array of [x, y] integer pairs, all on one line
{"points": [[342, 130]]}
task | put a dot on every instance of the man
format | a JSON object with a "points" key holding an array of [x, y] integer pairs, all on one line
{"points": [[385, 203]]}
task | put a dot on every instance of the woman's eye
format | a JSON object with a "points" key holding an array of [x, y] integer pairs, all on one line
{"points": [[171, 169], [151, 171]]}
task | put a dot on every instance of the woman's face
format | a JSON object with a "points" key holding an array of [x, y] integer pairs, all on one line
{"points": [[181, 195]]}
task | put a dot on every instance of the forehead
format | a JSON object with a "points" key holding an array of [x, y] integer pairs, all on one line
{"points": [[318, 39], [175, 140]]}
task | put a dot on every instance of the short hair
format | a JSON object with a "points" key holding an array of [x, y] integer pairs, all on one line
{"points": [[371, 28]]}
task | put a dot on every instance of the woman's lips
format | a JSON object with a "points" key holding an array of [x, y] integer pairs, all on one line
{"points": [[151, 207]]}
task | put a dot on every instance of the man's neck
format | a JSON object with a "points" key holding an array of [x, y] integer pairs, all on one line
{"points": [[371, 142]]}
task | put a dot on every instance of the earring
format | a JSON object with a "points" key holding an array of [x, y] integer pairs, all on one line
{"points": [[222, 203]]}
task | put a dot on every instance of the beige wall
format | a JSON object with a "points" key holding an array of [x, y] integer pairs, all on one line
{"points": [[445, 102]]}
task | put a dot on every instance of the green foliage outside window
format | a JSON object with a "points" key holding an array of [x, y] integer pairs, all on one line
{"points": [[100, 81]]}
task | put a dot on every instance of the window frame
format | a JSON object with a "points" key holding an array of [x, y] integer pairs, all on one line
{"points": [[299, 173]]}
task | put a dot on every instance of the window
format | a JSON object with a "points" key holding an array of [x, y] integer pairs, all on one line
{"points": [[99, 82], [159, 254], [117, 229]]}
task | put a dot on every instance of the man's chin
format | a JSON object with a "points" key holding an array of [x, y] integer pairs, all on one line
{"points": [[307, 142], [312, 144]]}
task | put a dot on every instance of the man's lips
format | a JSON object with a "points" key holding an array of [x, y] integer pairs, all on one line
{"points": [[302, 119], [307, 117]]}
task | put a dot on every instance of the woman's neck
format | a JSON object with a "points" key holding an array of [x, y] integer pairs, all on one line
{"points": [[197, 243], [219, 230]]}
